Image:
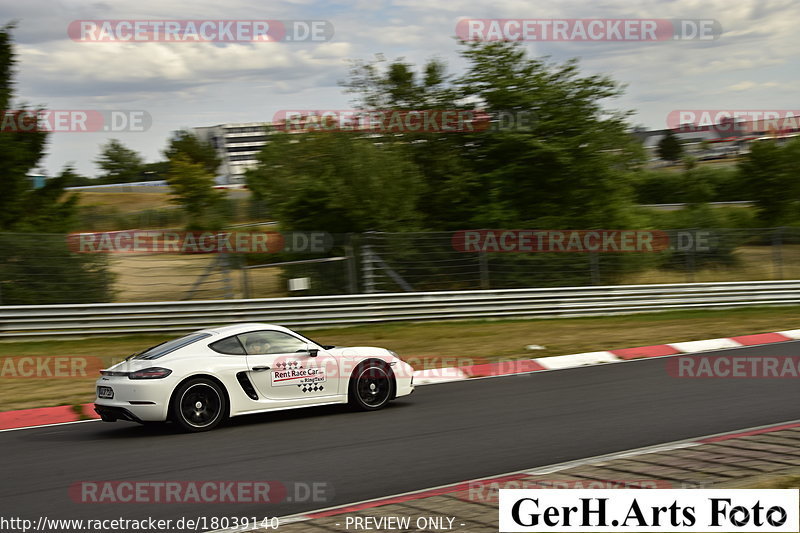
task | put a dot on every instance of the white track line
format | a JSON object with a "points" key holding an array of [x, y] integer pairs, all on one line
{"points": [[51, 425]]}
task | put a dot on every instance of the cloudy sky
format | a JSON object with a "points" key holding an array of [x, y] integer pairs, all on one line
{"points": [[753, 65]]}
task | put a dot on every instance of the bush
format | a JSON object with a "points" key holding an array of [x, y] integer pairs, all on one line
{"points": [[40, 269], [720, 184]]}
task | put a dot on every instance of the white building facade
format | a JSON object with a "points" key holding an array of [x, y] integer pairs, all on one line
{"points": [[237, 146]]}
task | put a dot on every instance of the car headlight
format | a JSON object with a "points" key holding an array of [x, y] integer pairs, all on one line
{"points": [[155, 372]]}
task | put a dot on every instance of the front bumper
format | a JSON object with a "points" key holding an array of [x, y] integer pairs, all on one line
{"points": [[405, 386]]}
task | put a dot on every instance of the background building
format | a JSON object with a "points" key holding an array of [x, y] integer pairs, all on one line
{"points": [[237, 145], [719, 140]]}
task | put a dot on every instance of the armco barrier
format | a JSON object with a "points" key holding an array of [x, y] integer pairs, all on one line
{"points": [[156, 317]]}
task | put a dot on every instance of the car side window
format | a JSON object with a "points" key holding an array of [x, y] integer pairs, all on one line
{"points": [[229, 346], [267, 342]]}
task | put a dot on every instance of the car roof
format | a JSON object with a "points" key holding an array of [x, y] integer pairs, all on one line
{"points": [[235, 329]]}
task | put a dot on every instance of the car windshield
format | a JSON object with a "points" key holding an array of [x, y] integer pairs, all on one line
{"points": [[324, 346], [164, 348]]}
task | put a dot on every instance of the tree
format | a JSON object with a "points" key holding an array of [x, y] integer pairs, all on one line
{"points": [[569, 165], [568, 162], [398, 86], [46, 212], [155, 171], [446, 191], [20, 151], [36, 268], [695, 187], [196, 151], [23, 208], [336, 182], [71, 178], [119, 163], [669, 147], [191, 168], [193, 189], [769, 172]]}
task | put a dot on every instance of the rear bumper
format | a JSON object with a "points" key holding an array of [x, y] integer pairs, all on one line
{"points": [[111, 414], [139, 400]]}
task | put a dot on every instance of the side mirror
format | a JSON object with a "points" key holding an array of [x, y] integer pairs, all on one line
{"points": [[311, 351]]}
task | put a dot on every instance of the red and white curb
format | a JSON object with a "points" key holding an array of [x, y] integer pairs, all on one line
{"points": [[560, 362], [464, 486], [46, 416]]}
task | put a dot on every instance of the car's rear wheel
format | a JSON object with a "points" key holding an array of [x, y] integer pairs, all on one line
{"points": [[198, 405], [371, 386]]}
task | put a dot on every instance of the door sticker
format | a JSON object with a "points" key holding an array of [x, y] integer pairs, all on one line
{"points": [[293, 373]]}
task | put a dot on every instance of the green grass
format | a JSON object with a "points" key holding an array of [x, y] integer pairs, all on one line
{"points": [[427, 345]]}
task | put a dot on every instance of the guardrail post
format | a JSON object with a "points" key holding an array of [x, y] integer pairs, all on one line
{"points": [[245, 280], [352, 274], [689, 267], [225, 265], [368, 269], [483, 265], [690, 264], [594, 268], [777, 252]]}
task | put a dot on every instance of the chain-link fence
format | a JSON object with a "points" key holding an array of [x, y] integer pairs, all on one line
{"points": [[438, 261], [40, 269]]}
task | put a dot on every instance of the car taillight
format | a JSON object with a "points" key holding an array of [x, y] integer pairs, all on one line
{"points": [[150, 373]]}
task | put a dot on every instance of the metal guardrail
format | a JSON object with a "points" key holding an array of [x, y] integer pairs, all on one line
{"points": [[156, 317]]}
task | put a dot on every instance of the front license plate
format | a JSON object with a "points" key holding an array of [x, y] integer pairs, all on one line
{"points": [[105, 393]]}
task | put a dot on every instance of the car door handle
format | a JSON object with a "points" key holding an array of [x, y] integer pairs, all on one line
{"points": [[260, 368]]}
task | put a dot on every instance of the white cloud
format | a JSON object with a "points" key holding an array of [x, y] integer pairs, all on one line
{"points": [[190, 63], [751, 85]]}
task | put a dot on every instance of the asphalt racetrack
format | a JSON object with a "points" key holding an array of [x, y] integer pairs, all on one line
{"points": [[441, 434]]}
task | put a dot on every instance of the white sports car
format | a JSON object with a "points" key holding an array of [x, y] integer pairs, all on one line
{"points": [[202, 378]]}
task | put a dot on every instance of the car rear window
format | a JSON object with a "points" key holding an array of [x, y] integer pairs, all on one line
{"points": [[231, 346], [170, 346]]}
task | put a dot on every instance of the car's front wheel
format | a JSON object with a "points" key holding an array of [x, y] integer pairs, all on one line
{"points": [[371, 386], [198, 405]]}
